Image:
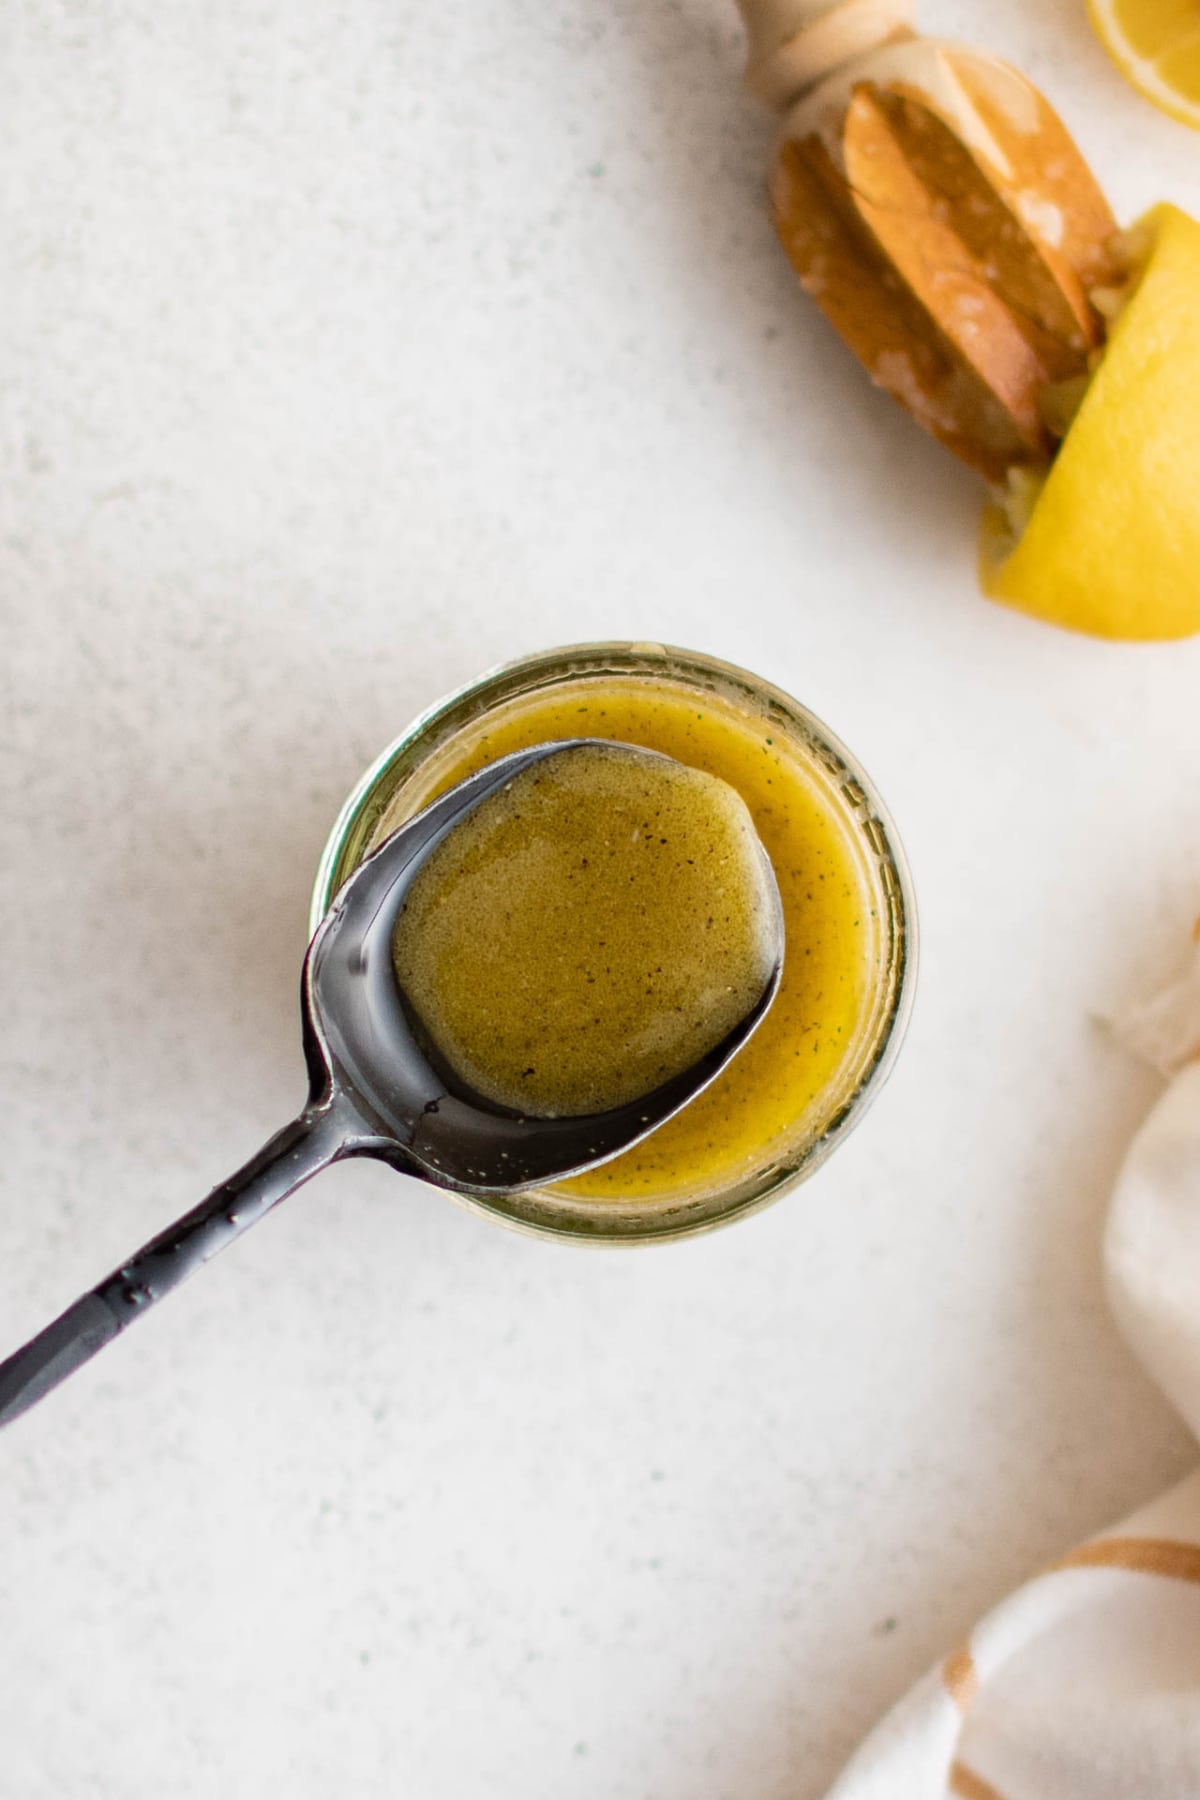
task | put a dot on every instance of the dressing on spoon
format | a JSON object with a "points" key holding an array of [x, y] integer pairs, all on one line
{"points": [[592, 929]]}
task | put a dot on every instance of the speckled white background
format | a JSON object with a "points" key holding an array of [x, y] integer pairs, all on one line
{"points": [[344, 350]]}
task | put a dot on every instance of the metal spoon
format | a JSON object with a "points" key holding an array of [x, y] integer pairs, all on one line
{"points": [[372, 1092]]}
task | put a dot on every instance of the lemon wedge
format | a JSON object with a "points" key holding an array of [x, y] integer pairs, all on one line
{"points": [[1110, 542], [1156, 46]]}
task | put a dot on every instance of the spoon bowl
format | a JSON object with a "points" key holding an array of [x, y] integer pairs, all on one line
{"points": [[362, 1043], [375, 1091]]}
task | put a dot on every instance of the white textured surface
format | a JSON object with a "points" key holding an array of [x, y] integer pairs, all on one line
{"points": [[346, 349]]}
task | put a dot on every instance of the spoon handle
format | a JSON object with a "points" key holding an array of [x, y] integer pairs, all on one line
{"points": [[299, 1151]]}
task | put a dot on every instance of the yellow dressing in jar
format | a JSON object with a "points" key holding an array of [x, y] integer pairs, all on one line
{"points": [[785, 1082]]}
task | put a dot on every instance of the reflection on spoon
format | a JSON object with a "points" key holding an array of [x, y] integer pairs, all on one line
{"points": [[379, 1087]]}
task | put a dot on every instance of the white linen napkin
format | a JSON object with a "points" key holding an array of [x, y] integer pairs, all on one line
{"points": [[1085, 1683]]}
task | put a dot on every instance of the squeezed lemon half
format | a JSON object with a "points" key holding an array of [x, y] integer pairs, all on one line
{"points": [[1156, 45], [1111, 545]]}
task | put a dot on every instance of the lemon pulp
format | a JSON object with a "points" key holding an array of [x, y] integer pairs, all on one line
{"points": [[1156, 46]]}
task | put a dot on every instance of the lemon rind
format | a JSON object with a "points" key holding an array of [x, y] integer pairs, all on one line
{"points": [[1140, 71]]}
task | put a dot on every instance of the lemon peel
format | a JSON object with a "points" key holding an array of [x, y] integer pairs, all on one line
{"points": [[1111, 544], [1156, 46]]}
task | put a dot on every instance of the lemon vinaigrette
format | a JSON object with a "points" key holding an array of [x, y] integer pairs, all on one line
{"points": [[849, 925], [593, 929]]}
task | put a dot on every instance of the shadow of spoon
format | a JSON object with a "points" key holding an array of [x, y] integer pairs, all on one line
{"points": [[373, 1091]]}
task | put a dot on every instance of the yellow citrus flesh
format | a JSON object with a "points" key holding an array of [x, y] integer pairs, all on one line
{"points": [[1156, 46], [1112, 546]]}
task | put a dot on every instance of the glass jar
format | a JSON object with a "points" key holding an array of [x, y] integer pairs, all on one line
{"points": [[573, 683]]}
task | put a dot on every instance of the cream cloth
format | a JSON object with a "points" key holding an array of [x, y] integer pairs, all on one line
{"points": [[1085, 1683]]}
